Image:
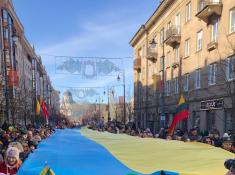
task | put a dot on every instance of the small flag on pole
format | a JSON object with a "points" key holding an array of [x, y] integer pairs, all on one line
{"points": [[47, 171], [38, 108], [182, 113], [45, 111]]}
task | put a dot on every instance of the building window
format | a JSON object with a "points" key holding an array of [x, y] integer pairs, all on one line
{"points": [[162, 36], [176, 85], [230, 74], [177, 22], [169, 25], [177, 54], [199, 40], [168, 88], [214, 30], [186, 78], [232, 20], [201, 5], [188, 12], [168, 58], [228, 120], [212, 74], [198, 79], [187, 47], [140, 53]]}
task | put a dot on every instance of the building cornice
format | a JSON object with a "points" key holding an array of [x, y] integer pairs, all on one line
{"points": [[151, 21]]}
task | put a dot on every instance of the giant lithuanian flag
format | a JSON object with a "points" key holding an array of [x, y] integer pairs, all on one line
{"points": [[182, 113]]}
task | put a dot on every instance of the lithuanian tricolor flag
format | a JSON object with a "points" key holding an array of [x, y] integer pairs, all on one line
{"points": [[47, 171], [182, 113]]}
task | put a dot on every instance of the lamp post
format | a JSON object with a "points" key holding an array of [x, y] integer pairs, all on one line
{"points": [[124, 95], [98, 101], [108, 104], [153, 44]]}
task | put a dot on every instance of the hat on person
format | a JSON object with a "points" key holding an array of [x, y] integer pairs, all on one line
{"points": [[227, 139], [11, 128], [23, 131], [12, 152], [32, 143], [225, 135], [17, 145]]}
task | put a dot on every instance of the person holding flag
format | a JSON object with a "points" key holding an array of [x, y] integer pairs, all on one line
{"points": [[182, 113]]}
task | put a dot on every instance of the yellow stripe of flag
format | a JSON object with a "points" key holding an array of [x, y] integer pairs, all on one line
{"points": [[38, 108]]}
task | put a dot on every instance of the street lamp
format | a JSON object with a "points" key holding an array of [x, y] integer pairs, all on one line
{"points": [[153, 44], [124, 94], [108, 104]]}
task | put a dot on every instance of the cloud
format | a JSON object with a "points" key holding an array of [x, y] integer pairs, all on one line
{"points": [[110, 40]]}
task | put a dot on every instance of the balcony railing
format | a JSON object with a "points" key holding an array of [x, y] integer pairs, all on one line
{"points": [[175, 64], [212, 45], [207, 8], [173, 36], [137, 64]]}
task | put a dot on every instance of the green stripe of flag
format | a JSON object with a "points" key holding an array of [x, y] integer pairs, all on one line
{"points": [[181, 107]]}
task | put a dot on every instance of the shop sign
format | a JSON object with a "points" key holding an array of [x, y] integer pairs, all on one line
{"points": [[212, 104]]}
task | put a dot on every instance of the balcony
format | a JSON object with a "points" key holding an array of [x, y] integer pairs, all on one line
{"points": [[208, 8], [173, 36], [137, 64], [212, 45], [152, 56]]}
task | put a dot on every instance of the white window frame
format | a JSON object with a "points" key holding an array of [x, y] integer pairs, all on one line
{"points": [[187, 48], [168, 58], [199, 40], [198, 79], [215, 30], [177, 54], [188, 12], [231, 25], [176, 85], [140, 53], [186, 79], [230, 69], [169, 25], [177, 22], [212, 69]]}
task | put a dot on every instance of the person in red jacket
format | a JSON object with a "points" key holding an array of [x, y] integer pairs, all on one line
{"points": [[12, 162]]}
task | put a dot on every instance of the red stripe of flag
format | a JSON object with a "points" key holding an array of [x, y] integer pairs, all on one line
{"points": [[178, 117]]}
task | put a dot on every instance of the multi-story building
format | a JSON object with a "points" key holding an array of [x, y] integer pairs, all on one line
{"points": [[23, 78], [186, 47], [55, 101]]}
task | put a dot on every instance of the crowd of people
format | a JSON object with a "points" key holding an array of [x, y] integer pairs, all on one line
{"points": [[213, 137], [18, 141]]}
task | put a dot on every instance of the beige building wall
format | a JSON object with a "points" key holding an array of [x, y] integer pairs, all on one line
{"points": [[22, 54], [146, 105]]}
